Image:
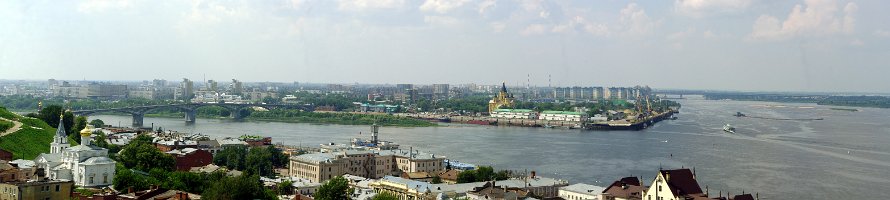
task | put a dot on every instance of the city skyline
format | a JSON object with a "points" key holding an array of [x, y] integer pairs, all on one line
{"points": [[747, 45]]}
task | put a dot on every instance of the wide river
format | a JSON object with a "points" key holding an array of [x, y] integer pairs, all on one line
{"points": [[844, 156]]}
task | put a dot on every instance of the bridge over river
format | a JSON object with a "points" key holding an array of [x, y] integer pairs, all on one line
{"points": [[138, 112]]}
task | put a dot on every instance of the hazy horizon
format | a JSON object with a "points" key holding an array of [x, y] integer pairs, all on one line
{"points": [[733, 45]]}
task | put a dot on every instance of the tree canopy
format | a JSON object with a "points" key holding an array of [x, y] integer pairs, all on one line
{"points": [[385, 196], [144, 157], [335, 189]]}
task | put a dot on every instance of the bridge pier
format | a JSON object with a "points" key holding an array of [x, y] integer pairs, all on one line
{"points": [[190, 116], [236, 114], [138, 119]]}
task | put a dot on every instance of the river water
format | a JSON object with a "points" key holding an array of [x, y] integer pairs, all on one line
{"points": [[844, 156]]}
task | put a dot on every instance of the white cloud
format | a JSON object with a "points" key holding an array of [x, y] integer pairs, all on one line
{"points": [[359, 5], [498, 27], [857, 42], [534, 29], [882, 33], [442, 6], [441, 20], [211, 13], [580, 24], [635, 21], [295, 4], [817, 18], [699, 8], [544, 14], [485, 5], [94, 6], [709, 34]]}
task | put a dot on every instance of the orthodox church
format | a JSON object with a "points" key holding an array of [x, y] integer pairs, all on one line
{"points": [[85, 164]]}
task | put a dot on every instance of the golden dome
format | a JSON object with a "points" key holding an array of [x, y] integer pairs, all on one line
{"points": [[87, 131]]}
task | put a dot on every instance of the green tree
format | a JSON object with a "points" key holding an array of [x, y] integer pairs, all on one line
{"points": [[467, 176], [285, 187], [187, 181], [125, 179], [50, 114], [484, 173], [231, 157], [101, 140], [144, 157], [436, 180], [278, 157], [241, 187], [385, 196], [98, 123], [259, 161], [141, 139], [80, 122], [502, 175], [335, 189]]}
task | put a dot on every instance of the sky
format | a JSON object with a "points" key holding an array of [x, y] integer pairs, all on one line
{"points": [[749, 45]]}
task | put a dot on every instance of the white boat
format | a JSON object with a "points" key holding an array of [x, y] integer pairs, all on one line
{"points": [[728, 128]]}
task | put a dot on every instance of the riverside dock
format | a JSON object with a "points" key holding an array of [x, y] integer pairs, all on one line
{"points": [[637, 124]]}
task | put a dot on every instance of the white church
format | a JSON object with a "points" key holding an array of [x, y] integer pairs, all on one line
{"points": [[85, 164]]}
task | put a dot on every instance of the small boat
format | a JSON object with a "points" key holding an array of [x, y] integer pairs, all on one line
{"points": [[728, 128], [548, 126]]}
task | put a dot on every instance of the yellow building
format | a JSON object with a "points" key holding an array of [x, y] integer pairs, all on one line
{"points": [[503, 99], [36, 190], [403, 189], [320, 167]]}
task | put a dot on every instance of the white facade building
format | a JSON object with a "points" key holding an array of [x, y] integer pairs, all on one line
{"points": [[514, 114], [580, 191], [563, 116], [85, 164]]}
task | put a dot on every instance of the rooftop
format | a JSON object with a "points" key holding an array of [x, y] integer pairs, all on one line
{"points": [[555, 112], [514, 110], [584, 188]]}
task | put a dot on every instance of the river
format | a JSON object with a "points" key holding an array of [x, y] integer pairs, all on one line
{"points": [[844, 156]]}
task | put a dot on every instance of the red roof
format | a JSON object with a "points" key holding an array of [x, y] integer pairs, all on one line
{"points": [[681, 182]]}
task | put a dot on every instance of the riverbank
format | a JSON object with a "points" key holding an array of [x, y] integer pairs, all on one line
{"points": [[639, 124], [825, 100], [339, 118]]}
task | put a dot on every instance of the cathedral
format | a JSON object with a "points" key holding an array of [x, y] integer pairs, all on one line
{"points": [[503, 99], [85, 164]]}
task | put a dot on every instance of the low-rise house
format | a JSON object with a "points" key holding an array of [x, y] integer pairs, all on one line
{"points": [[169, 145], [188, 158], [157, 193], [406, 188], [211, 168], [675, 184], [300, 186], [580, 191], [211, 146], [627, 188], [12, 173], [5, 155], [449, 176], [491, 191], [417, 176], [43, 189], [229, 142]]}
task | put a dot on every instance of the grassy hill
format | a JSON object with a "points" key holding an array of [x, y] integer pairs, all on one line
{"points": [[31, 140]]}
